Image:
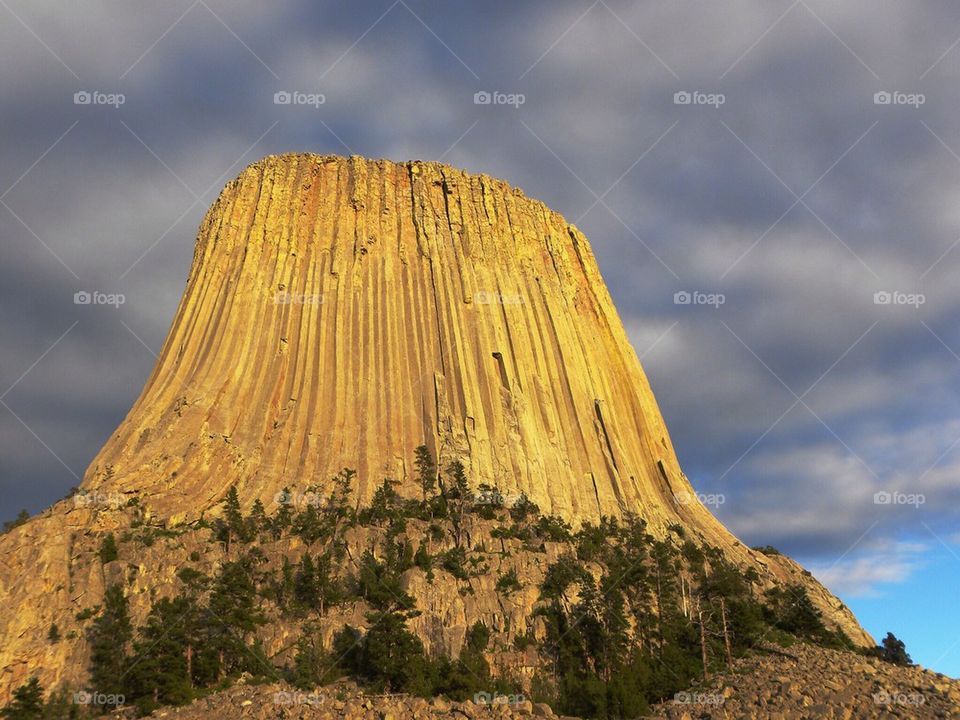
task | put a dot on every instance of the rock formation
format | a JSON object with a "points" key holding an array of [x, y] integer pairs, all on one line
{"points": [[340, 312]]}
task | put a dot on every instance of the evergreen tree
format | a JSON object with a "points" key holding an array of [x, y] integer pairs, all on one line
{"points": [[458, 498], [232, 526], [109, 637], [284, 515], [27, 703], [258, 521], [306, 586], [235, 614], [893, 650], [426, 471], [392, 658], [53, 634], [19, 520], [165, 654], [311, 665], [108, 549]]}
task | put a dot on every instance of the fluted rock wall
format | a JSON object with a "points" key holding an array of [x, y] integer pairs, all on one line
{"points": [[340, 312]]}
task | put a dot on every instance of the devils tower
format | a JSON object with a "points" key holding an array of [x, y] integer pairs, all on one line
{"points": [[340, 312]]}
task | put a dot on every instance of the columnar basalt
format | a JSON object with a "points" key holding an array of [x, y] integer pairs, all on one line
{"points": [[340, 312]]}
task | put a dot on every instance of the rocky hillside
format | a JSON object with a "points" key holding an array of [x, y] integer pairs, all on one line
{"points": [[802, 682], [805, 681], [459, 591]]}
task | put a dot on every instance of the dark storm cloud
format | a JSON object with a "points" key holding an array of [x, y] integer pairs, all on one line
{"points": [[674, 197]]}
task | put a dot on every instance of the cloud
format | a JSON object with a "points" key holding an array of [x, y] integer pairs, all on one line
{"points": [[865, 574]]}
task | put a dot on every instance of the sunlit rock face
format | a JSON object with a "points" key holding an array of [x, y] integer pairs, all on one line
{"points": [[342, 311]]}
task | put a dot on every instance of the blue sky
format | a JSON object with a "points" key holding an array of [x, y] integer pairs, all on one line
{"points": [[816, 164]]}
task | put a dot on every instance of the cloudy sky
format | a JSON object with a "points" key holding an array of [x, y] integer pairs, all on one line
{"points": [[791, 168]]}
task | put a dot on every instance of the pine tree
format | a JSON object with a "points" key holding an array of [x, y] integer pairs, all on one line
{"points": [[108, 549], [893, 650], [232, 526], [234, 614], [109, 636], [284, 515], [306, 588], [458, 497], [19, 520], [426, 471], [163, 668], [53, 634], [27, 702], [258, 517]]}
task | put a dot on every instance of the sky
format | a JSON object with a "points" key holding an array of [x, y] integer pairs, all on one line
{"points": [[770, 188]]}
